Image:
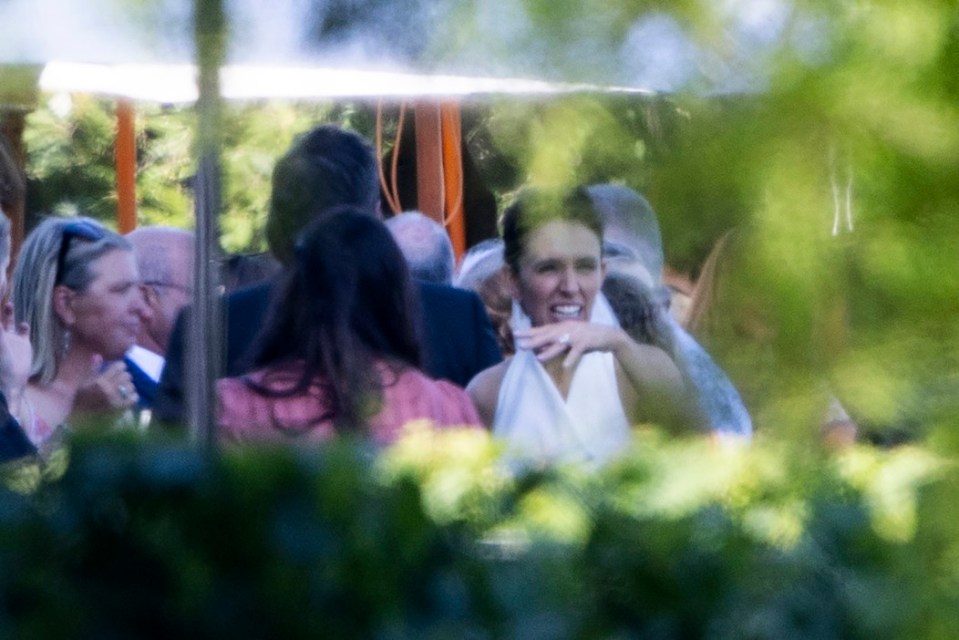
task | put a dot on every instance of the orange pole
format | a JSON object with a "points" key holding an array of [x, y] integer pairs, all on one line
{"points": [[453, 176], [125, 152], [429, 160]]}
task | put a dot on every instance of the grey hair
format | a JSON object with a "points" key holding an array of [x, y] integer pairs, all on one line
{"points": [[425, 245], [630, 221], [481, 261], [155, 248], [35, 278]]}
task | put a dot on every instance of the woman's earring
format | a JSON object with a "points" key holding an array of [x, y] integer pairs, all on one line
{"points": [[66, 341]]}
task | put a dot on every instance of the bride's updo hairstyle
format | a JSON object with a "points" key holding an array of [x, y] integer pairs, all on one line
{"points": [[534, 208]]}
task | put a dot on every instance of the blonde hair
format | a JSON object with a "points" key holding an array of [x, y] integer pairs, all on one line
{"points": [[36, 276], [703, 297]]}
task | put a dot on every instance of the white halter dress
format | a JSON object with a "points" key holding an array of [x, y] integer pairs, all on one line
{"points": [[538, 425]]}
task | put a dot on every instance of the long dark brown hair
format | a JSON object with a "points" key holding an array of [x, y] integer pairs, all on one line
{"points": [[344, 305]]}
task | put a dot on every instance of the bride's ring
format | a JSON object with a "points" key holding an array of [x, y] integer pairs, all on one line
{"points": [[563, 339], [123, 391]]}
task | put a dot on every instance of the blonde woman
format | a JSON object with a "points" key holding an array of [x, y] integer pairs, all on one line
{"points": [[76, 284]]}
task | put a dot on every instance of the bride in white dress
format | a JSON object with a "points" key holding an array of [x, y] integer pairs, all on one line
{"points": [[577, 381]]}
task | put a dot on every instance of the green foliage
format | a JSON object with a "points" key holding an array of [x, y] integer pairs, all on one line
{"points": [[71, 165], [72, 159], [160, 541], [254, 136], [570, 140], [165, 166], [432, 538]]}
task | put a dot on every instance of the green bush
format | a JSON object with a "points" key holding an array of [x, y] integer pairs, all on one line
{"points": [[434, 539]]}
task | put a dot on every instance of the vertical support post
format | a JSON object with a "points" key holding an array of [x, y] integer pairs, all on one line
{"points": [[204, 344], [439, 168], [429, 160], [125, 155], [452, 139]]}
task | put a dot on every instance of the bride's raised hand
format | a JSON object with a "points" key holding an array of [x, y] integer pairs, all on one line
{"points": [[573, 338]]}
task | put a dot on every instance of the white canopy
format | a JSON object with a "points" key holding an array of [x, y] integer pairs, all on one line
{"points": [[177, 83]]}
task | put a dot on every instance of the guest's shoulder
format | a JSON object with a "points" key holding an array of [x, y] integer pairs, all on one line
{"points": [[255, 294], [231, 391], [414, 378], [441, 401], [241, 413], [445, 294], [494, 373], [250, 301]]}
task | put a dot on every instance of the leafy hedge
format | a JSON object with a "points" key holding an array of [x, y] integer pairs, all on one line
{"points": [[433, 539]]}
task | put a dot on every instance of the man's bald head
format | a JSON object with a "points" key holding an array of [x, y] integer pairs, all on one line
{"points": [[425, 245], [165, 260]]}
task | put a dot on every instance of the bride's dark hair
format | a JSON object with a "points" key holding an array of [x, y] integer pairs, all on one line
{"points": [[536, 207]]}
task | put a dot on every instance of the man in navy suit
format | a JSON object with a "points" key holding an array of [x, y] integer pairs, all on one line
{"points": [[164, 258], [14, 443], [324, 168]]}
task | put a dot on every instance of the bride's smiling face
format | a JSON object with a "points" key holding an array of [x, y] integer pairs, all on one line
{"points": [[560, 271]]}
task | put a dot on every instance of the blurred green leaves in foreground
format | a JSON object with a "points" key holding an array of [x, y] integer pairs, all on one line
{"points": [[837, 175], [433, 539]]}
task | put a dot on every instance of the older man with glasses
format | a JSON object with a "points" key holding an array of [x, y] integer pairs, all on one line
{"points": [[165, 259]]}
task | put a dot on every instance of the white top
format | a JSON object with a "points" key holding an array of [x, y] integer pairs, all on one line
{"points": [[538, 424], [151, 363]]}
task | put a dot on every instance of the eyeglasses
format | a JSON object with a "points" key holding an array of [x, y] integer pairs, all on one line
{"points": [[80, 229], [169, 285]]}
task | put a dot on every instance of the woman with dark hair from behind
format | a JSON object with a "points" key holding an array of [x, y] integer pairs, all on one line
{"points": [[340, 352]]}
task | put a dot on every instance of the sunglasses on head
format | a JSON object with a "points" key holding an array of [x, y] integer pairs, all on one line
{"points": [[80, 229]]}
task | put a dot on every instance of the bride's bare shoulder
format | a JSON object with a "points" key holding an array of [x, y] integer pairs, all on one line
{"points": [[483, 389]]}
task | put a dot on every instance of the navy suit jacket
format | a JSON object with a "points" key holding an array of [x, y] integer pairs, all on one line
{"points": [[13, 441], [145, 385], [458, 339]]}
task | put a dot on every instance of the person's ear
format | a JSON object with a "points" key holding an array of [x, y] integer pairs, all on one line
{"points": [[150, 296], [63, 298]]}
